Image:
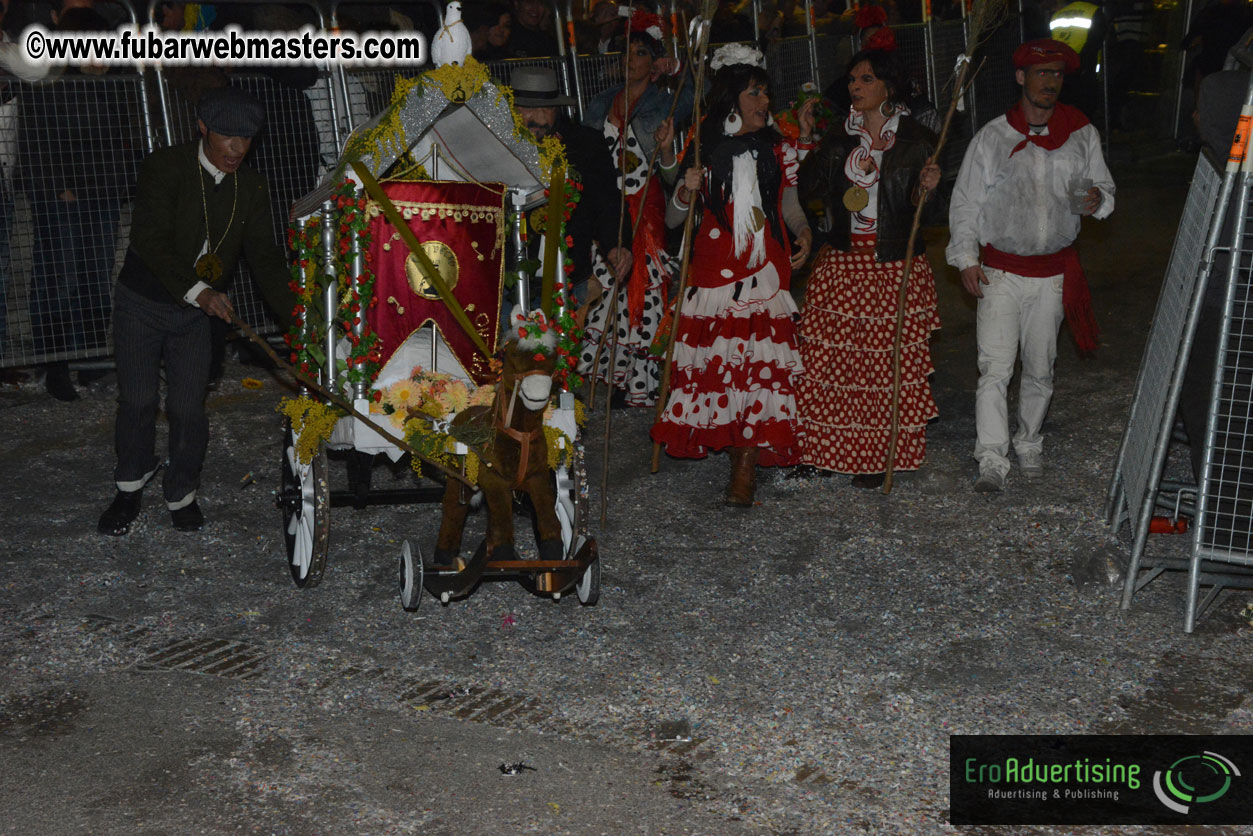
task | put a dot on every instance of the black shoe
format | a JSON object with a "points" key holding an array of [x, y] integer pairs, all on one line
{"points": [[58, 382], [188, 518], [618, 400], [117, 518], [868, 481]]}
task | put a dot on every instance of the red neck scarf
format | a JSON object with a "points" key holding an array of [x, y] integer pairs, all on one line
{"points": [[1064, 121]]}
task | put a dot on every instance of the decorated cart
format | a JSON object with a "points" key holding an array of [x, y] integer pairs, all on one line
{"points": [[416, 337]]}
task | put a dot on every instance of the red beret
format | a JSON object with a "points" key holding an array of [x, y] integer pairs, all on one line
{"points": [[1045, 51]]}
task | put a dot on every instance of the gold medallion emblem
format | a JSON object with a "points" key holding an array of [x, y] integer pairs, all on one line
{"points": [[758, 219], [539, 220], [856, 199], [209, 268], [445, 261]]}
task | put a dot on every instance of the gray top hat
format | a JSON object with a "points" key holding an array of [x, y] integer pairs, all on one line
{"points": [[537, 87], [230, 111]]}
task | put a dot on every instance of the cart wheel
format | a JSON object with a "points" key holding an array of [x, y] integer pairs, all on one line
{"points": [[571, 484], [305, 500], [410, 576], [588, 587]]}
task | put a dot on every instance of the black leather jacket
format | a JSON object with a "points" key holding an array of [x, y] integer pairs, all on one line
{"points": [[822, 178]]}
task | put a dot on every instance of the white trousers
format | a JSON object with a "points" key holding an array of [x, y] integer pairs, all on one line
{"points": [[1016, 312]]}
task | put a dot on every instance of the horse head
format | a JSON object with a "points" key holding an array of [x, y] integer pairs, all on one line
{"points": [[530, 360]]}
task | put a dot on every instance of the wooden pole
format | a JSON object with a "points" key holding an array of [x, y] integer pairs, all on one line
{"points": [[663, 395], [959, 88]]}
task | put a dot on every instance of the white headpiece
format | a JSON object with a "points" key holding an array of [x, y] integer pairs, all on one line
{"points": [[729, 54]]}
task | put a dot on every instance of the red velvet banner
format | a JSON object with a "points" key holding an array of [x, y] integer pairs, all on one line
{"points": [[462, 230]]}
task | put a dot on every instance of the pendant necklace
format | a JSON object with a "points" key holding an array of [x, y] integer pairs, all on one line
{"points": [[209, 265]]}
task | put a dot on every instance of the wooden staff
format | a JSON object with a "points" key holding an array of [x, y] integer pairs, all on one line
{"points": [[663, 395], [635, 228], [342, 402], [611, 313], [613, 303], [984, 18]]}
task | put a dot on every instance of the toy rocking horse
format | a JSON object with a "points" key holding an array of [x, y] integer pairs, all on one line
{"points": [[516, 458]]}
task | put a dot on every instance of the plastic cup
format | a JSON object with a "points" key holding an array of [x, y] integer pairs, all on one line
{"points": [[1078, 191]]}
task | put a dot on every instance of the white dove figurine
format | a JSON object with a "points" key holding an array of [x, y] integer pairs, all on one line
{"points": [[452, 44]]}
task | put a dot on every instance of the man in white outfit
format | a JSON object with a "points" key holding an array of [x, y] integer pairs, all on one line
{"points": [[1026, 179]]}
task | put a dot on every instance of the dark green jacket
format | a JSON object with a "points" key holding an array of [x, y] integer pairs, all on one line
{"points": [[168, 229]]}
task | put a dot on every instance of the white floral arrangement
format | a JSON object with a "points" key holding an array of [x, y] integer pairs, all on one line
{"points": [[729, 54]]}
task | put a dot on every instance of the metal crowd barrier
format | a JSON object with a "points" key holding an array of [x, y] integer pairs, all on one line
{"points": [[56, 299], [73, 152], [1208, 253]]}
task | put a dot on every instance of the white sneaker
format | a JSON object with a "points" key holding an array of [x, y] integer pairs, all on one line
{"points": [[989, 481], [1031, 463]]}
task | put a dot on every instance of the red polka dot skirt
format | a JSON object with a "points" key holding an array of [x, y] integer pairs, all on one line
{"points": [[847, 331], [735, 366]]}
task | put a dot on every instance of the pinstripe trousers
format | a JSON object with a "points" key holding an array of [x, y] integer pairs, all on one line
{"points": [[145, 333]]}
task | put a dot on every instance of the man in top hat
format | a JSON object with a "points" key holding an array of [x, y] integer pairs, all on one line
{"points": [[540, 103], [1027, 179], [197, 208]]}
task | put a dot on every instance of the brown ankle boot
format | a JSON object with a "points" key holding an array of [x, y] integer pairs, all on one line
{"points": [[743, 477]]}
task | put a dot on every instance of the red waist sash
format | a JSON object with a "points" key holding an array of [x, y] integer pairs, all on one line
{"points": [[1076, 296]]}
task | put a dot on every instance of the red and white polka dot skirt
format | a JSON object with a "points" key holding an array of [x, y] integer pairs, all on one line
{"points": [[847, 331]]}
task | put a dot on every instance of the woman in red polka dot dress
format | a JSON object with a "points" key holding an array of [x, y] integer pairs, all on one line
{"points": [[735, 351], [869, 171]]}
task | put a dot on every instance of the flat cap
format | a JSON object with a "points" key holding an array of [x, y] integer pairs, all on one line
{"points": [[230, 111]]}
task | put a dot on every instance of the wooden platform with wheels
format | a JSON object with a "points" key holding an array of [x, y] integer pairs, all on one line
{"points": [[580, 572]]}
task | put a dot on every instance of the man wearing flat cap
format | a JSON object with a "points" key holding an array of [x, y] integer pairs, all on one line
{"points": [[197, 208], [539, 101], [1026, 180]]}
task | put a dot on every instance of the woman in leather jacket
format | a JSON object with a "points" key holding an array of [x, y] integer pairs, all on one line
{"points": [[870, 172]]}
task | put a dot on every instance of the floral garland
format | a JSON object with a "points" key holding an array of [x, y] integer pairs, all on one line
{"points": [[458, 83], [365, 352], [313, 422], [437, 445], [569, 339], [569, 334], [305, 338]]}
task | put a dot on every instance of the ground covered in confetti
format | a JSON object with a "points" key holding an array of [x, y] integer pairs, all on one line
{"points": [[795, 668]]}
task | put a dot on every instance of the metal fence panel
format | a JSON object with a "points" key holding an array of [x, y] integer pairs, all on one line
{"points": [[1226, 499], [911, 51], [598, 73], [502, 71], [834, 52], [72, 157], [1146, 420], [788, 64], [995, 88]]}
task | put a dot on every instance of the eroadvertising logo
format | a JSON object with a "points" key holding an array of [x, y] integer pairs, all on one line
{"points": [[1211, 771], [1099, 779]]}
